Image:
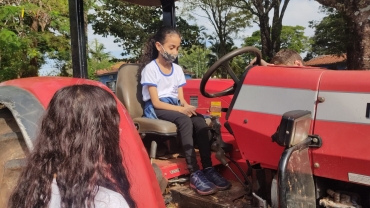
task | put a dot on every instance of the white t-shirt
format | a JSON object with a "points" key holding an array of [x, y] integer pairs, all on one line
{"points": [[167, 84], [105, 198]]}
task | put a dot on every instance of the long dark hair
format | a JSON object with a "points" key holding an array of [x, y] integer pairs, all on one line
{"points": [[78, 141], [150, 52]]}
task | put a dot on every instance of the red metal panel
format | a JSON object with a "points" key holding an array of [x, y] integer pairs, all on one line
{"points": [[192, 89], [172, 168], [287, 77], [144, 186], [253, 130], [43, 88], [254, 137], [345, 150], [225, 172], [345, 81], [343, 126], [177, 167]]}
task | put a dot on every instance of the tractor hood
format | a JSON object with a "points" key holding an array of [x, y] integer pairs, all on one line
{"points": [[148, 2], [339, 102]]}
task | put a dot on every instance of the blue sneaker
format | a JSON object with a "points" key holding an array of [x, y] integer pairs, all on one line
{"points": [[213, 176], [200, 183]]}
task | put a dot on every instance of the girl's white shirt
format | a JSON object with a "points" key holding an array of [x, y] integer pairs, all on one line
{"points": [[167, 84], [105, 198]]}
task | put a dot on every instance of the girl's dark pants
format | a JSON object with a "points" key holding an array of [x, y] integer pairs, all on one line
{"points": [[189, 128]]}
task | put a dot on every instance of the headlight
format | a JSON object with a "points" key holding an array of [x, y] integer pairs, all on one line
{"points": [[293, 128]]}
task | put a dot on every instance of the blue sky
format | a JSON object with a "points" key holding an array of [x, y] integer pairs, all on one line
{"points": [[299, 12]]}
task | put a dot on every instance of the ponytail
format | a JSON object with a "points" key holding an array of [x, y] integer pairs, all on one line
{"points": [[149, 53]]}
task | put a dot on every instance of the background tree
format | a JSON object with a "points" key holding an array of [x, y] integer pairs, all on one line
{"points": [[331, 34], [216, 47], [226, 19], [254, 40], [98, 59], [10, 47], [270, 35], [30, 32], [357, 14], [132, 25], [195, 59], [96, 51], [292, 37], [237, 64], [199, 58]]}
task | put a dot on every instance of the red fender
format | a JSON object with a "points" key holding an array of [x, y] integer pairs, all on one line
{"points": [[144, 186]]}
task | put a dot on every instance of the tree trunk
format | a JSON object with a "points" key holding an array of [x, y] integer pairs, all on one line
{"points": [[265, 37], [358, 13], [32, 69], [277, 25], [87, 6], [361, 42], [221, 53], [270, 35], [350, 48]]}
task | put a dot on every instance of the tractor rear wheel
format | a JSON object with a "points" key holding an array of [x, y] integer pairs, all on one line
{"points": [[13, 151]]}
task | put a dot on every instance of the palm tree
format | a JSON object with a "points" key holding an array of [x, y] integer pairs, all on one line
{"points": [[217, 54], [97, 51]]}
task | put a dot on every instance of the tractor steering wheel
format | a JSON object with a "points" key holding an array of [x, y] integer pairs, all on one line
{"points": [[223, 61]]}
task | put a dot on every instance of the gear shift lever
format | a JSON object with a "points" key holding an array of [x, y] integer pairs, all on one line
{"points": [[220, 155], [219, 146]]}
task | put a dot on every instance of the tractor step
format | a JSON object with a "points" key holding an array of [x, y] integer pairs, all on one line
{"points": [[184, 197], [175, 166]]}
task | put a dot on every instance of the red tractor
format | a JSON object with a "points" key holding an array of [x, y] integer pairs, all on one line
{"points": [[284, 136]]}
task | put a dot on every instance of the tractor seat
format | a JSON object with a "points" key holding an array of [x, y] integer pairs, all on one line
{"points": [[129, 93]]}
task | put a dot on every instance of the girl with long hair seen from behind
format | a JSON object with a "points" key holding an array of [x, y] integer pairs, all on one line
{"points": [[76, 161], [163, 82]]}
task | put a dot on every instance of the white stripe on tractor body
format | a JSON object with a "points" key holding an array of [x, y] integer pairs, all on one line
{"points": [[343, 107], [347, 107], [275, 100]]}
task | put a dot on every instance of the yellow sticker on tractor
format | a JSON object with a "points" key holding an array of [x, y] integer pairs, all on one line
{"points": [[215, 109]]}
